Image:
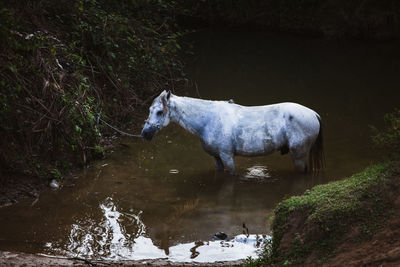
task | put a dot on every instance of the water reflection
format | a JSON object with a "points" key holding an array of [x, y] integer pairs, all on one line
{"points": [[109, 239], [257, 173], [240, 247]]}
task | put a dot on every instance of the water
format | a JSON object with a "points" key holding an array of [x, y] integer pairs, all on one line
{"points": [[164, 199]]}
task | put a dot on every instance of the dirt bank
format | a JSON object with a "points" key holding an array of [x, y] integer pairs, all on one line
{"points": [[22, 259], [353, 222], [382, 249]]}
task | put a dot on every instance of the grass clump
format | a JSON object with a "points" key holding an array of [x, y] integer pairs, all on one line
{"points": [[316, 222]]}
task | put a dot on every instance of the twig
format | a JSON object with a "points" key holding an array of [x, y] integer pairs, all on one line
{"points": [[245, 230], [35, 201], [197, 89], [82, 259]]}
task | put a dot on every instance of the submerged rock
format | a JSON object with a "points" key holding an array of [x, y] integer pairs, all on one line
{"points": [[220, 236]]}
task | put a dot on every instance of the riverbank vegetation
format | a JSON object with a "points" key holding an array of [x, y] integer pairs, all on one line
{"points": [[63, 62]]}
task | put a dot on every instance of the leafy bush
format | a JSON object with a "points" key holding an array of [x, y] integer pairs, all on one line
{"points": [[62, 62], [388, 139]]}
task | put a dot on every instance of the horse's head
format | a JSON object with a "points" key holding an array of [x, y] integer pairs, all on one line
{"points": [[158, 116]]}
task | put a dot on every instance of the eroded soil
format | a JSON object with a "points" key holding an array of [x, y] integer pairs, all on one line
{"points": [[383, 249]]}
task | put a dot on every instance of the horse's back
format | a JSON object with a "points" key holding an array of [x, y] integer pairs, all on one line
{"points": [[281, 114], [264, 129]]}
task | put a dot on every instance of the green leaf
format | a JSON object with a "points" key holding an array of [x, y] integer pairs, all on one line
{"points": [[13, 69]]}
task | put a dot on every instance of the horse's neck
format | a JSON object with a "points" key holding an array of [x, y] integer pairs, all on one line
{"points": [[187, 113]]}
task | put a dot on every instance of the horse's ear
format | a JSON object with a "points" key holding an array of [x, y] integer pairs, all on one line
{"points": [[164, 99]]}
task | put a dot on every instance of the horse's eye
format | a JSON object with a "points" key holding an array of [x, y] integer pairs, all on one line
{"points": [[159, 113]]}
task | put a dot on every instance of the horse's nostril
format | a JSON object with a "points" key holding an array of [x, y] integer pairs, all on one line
{"points": [[148, 133], [148, 136]]}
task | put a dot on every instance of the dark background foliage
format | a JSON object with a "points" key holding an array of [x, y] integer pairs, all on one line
{"points": [[329, 18]]}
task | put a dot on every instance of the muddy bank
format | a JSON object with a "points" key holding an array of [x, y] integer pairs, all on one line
{"points": [[22, 259], [382, 249], [13, 188]]}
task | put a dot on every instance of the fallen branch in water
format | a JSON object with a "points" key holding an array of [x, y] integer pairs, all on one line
{"points": [[88, 262]]}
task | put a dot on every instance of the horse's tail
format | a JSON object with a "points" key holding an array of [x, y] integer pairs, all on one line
{"points": [[316, 158]]}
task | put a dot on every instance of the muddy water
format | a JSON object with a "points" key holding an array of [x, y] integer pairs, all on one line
{"points": [[164, 199]]}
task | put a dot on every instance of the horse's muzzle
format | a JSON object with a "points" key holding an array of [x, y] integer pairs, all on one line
{"points": [[149, 132]]}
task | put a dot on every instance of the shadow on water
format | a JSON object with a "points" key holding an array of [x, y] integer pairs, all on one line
{"points": [[164, 198]]}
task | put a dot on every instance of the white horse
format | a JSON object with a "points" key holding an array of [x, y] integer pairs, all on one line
{"points": [[227, 129]]}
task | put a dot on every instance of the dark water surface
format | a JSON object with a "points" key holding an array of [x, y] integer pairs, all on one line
{"points": [[153, 199]]}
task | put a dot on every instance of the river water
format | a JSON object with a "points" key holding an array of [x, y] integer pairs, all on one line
{"points": [[163, 199]]}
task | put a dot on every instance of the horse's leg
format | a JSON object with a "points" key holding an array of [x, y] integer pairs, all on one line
{"points": [[227, 160], [299, 158], [218, 163], [300, 163]]}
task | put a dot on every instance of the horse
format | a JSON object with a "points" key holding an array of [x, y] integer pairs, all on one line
{"points": [[226, 129]]}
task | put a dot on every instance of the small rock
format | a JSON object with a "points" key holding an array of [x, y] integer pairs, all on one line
{"points": [[54, 184], [221, 236]]}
